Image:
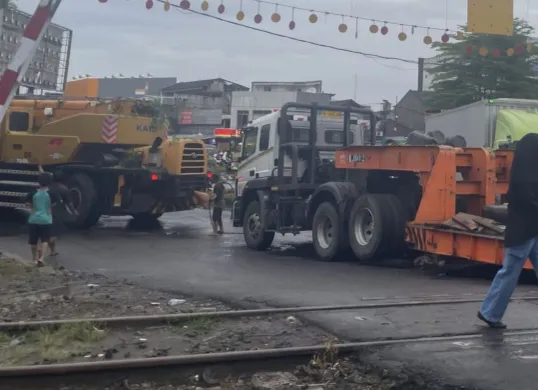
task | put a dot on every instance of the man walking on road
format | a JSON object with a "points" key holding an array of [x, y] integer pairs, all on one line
{"points": [[41, 202], [59, 208], [218, 206], [521, 236]]}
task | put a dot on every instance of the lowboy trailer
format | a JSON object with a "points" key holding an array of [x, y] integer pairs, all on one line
{"points": [[375, 201]]}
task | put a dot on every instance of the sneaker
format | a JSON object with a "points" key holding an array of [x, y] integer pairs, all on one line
{"points": [[494, 325]]}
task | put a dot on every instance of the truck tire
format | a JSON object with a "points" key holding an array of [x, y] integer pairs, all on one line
{"points": [[371, 226], [83, 195], [328, 233], [255, 235], [400, 217], [93, 217]]}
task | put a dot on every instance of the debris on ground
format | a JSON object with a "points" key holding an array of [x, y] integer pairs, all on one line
{"points": [[28, 293]]}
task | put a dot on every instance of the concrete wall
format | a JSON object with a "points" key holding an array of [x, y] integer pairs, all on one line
{"points": [[297, 86], [82, 88], [116, 88], [126, 87], [320, 98], [410, 111], [250, 101], [256, 103]]}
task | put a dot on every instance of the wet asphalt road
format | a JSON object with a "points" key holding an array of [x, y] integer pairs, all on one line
{"points": [[183, 257]]}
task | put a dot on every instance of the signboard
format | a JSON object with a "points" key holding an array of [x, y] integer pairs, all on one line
{"points": [[494, 17], [331, 114], [226, 133], [186, 118]]}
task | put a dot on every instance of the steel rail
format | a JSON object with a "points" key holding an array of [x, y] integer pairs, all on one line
{"points": [[228, 357], [168, 318]]}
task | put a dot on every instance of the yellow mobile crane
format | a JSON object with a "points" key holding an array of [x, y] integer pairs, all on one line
{"points": [[112, 156]]}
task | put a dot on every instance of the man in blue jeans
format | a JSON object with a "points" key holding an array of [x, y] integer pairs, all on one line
{"points": [[521, 236]]}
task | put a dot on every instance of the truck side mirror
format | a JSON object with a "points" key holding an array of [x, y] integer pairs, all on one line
{"points": [[275, 162]]}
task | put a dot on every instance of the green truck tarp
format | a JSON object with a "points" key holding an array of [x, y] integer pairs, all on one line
{"points": [[514, 124]]}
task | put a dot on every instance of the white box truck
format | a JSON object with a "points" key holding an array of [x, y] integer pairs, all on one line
{"points": [[487, 123]]}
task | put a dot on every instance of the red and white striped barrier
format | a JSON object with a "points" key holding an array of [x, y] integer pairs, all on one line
{"points": [[33, 34]]}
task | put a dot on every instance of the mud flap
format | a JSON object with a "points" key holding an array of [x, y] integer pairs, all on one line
{"points": [[141, 203], [236, 213]]}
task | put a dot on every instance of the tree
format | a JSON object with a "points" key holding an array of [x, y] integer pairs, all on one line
{"points": [[460, 78]]}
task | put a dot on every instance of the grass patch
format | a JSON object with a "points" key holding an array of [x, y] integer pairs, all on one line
{"points": [[9, 267], [52, 345], [4, 339], [200, 324]]}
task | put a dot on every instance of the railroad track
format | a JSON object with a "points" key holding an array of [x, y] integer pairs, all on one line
{"points": [[170, 318], [21, 377]]}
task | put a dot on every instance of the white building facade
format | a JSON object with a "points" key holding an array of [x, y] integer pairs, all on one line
{"points": [[267, 97]]}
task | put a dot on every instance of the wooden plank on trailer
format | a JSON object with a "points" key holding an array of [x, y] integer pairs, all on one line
{"points": [[490, 225], [466, 221]]}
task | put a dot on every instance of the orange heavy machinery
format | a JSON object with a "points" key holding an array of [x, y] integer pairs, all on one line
{"points": [[450, 181], [377, 201]]}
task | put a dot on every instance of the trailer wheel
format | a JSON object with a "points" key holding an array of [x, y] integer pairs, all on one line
{"points": [[400, 216], [371, 226], [83, 196], [327, 232], [255, 235]]}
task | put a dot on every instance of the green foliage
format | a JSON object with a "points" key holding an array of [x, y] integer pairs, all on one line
{"points": [[460, 78], [152, 109]]}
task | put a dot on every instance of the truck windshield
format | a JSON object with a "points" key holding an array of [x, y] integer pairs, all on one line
{"points": [[249, 141]]}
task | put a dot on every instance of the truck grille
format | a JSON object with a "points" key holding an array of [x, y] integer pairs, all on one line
{"points": [[193, 159]]}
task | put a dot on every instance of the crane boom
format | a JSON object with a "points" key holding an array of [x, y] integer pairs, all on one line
{"points": [[33, 34]]}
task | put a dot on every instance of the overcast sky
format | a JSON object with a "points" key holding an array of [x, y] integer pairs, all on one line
{"points": [[121, 36]]}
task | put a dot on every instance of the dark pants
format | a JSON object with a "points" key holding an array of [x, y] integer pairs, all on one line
{"points": [[217, 215], [58, 218], [37, 233]]}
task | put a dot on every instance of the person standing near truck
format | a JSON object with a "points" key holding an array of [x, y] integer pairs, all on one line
{"points": [[218, 205], [59, 208], [41, 202], [521, 234]]}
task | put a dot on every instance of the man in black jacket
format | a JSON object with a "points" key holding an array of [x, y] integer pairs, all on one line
{"points": [[218, 205], [59, 209], [521, 236]]}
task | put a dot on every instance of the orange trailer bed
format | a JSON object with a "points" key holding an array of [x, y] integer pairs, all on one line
{"points": [[475, 175]]}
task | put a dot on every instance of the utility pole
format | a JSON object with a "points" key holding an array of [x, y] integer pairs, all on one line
{"points": [[355, 88], [420, 74]]}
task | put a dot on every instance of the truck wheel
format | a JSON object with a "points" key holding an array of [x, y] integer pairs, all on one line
{"points": [[255, 235], [371, 227], [83, 196], [400, 217], [93, 217], [327, 232]]}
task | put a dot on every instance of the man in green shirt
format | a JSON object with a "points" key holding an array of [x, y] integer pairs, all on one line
{"points": [[41, 202]]}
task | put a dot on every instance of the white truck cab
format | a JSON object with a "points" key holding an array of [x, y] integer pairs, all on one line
{"points": [[259, 155]]}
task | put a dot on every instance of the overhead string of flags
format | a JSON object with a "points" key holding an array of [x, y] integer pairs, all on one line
{"points": [[375, 26]]}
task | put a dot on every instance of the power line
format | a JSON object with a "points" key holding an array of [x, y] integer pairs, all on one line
{"points": [[341, 49], [305, 41], [374, 20]]}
